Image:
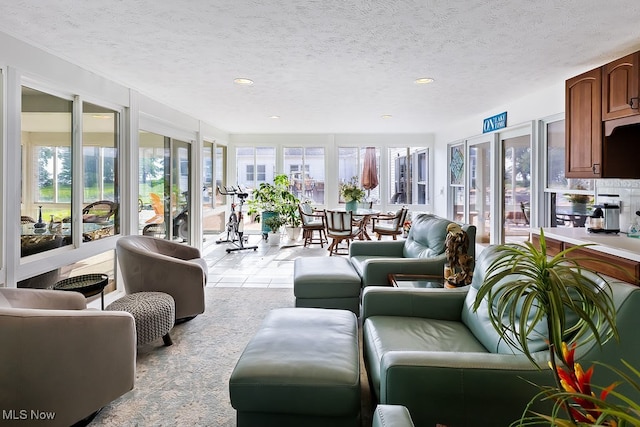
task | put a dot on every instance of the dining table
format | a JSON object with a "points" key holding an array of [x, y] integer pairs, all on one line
{"points": [[363, 216]]}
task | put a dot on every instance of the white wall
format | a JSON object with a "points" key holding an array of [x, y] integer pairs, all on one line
{"points": [[532, 107]]}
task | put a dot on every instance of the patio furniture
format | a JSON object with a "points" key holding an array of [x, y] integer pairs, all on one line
{"points": [[154, 313], [312, 222], [341, 227], [389, 225], [58, 357], [152, 264], [326, 282], [302, 368], [100, 211]]}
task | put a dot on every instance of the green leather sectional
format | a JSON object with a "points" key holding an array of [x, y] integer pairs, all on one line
{"points": [[427, 350]]}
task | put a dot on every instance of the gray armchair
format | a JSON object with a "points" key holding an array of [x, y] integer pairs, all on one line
{"points": [[58, 357], [428, 350], [153, 264], [422, 252]]}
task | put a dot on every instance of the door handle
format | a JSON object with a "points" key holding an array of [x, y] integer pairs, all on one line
{"points": [[596, 168], [633, 103]]}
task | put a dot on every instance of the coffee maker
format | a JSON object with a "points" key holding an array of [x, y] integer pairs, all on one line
{"points": [[610, 213]]}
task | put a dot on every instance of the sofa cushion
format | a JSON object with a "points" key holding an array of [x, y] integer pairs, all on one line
{"points": [[426, 237], [396, 333]]}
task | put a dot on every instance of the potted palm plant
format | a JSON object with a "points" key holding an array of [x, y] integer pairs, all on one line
{"points": [[554, 295]]}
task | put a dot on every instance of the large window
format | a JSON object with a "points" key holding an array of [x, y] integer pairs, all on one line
{"points": [[164, 186], [46, 123], [569, 200], [254, 166], [214, 173], [100, 171], [361, 163], [305, 168], [408, 176]]}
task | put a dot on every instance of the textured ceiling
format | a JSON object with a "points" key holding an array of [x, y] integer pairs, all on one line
{"points": [[330, 66]]}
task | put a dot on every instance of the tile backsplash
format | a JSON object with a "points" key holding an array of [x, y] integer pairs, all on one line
{"points": [[628, 191]]}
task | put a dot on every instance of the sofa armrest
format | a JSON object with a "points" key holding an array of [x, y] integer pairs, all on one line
{"points": [[375, 271], [432, 303], [454, 388], [71, 362], [384, 248], [43, 299], [392, 416]]}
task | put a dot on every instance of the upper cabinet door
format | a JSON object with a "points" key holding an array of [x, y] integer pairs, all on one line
{"points": [[583, 120], [620, 87]]}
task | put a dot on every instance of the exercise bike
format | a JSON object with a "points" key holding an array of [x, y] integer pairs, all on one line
{"points": [[235, 225]]}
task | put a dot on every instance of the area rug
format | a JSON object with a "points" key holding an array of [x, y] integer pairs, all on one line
{"points": [[186, 384]]}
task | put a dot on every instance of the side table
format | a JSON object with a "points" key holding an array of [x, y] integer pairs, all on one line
{"points": [[415, 280], [87, 284]]}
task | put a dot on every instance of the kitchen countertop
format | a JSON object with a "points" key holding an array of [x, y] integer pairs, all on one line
{"points": [[613, 244]]}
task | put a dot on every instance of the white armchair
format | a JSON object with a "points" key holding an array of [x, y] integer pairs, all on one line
{"points": [[58, 357]]}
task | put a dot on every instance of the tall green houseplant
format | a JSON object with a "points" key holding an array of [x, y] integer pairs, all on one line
{"points": [[274, 199]]}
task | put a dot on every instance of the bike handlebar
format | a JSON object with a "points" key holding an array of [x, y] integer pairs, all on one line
{"points": [[233, 191]]}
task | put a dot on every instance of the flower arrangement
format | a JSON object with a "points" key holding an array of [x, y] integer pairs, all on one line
{"points": [[351, 191], [406, 226], [576, 396], [578, 198]]}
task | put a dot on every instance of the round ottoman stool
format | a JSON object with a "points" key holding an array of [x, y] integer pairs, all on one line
{"points": [[154, 313]]}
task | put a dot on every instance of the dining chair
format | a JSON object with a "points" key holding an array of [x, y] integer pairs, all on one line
{"points": [[312, 222], [389, 225], [341, 227]]}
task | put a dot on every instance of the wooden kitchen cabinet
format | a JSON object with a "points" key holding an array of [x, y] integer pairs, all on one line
{"points": [[620, 81], [619, 268], [583, 112], [554, 247]]}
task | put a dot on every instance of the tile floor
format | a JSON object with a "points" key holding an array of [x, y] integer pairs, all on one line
{"points": [[266, 267]]}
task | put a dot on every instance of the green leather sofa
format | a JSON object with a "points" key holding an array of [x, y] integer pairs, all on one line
{"points": [[427, 350], [422, 252]]}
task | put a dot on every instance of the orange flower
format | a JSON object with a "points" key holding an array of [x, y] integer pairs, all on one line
{"points": [[575, 380]]}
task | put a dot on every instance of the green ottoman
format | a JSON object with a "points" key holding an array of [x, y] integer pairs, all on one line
{"points": [[326, 282], [302, 368]]}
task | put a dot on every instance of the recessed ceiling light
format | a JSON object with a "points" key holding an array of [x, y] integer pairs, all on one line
{"points": [[423, 81], [274, 117], [243, 81], [386, 116]]}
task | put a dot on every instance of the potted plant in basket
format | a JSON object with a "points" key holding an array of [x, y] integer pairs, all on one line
{"points": [[523, 282], [351, 193]]}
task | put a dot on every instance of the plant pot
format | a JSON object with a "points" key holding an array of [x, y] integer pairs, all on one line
{"points": [[265, 215], [293, 233], [579, 208], [274, 239], [351, 206]]}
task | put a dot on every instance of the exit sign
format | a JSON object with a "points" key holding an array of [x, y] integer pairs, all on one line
{"points": [[496, 122]]}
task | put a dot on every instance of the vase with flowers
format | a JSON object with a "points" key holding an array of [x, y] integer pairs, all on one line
{"points": [[351, 193], [578, 201]]}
